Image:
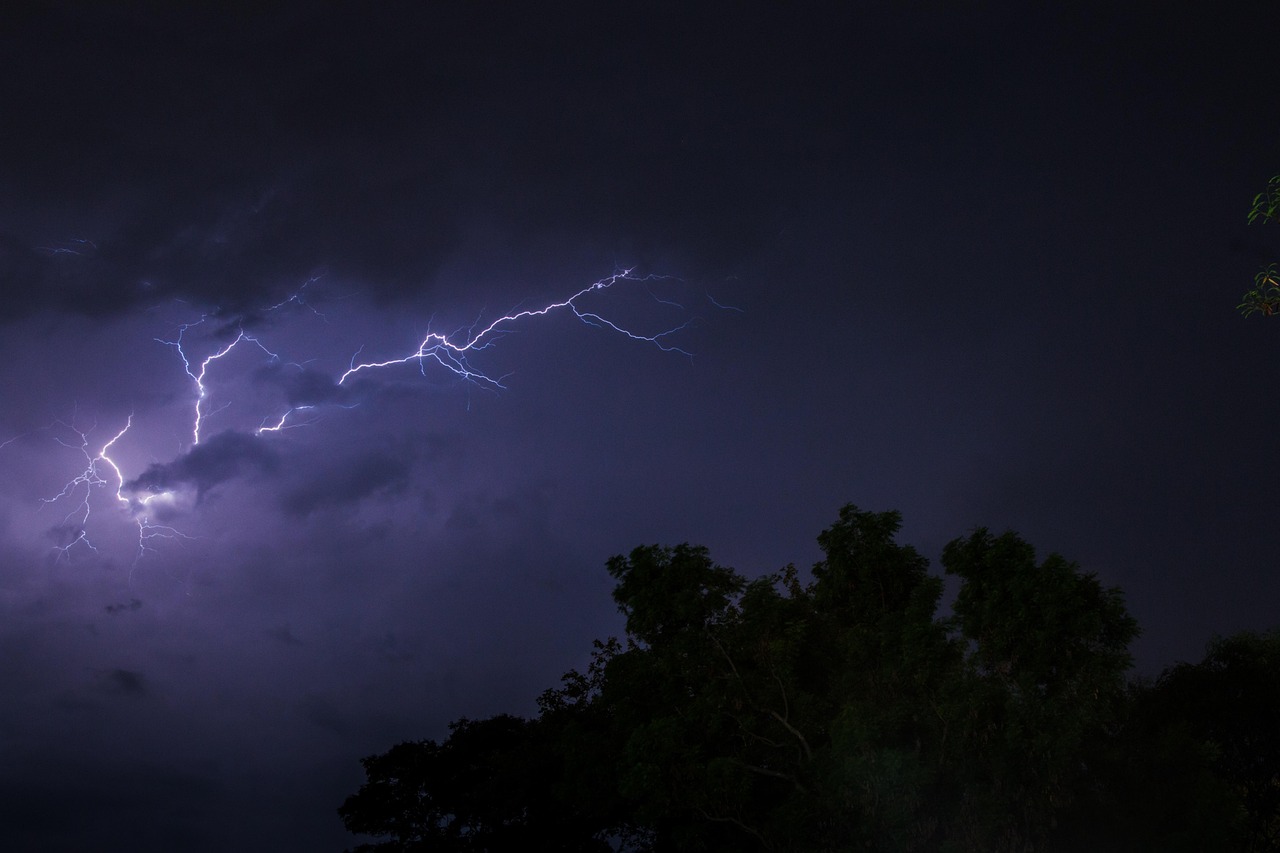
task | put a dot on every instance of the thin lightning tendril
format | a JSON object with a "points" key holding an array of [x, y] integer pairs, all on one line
{"points": [[198, 378], [102, 471], [280, 425], [452, 356], [95, 474]]}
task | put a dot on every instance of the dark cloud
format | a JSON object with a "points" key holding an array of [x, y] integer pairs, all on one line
{"points": [[234, 266], [284, 634], [66, 534], [393, 648], [125, 682], [349, 480], [218, 459], [229, 188], [303, 386], [121, 607], [320, 712]]}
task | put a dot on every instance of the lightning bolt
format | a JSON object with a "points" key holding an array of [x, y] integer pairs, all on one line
{"points": [[101, 471], [197, 377], [280, 423], [453, 353], [453, 356], [91, 476]]}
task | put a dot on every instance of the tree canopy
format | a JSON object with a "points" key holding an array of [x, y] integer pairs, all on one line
{"points": [[838, 709]]}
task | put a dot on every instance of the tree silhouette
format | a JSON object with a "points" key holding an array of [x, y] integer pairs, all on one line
{"points": [[1229, 704], [836, 710]]}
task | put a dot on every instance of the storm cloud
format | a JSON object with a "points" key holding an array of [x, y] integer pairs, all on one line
{"points": [[218, 459], [987, 264]]}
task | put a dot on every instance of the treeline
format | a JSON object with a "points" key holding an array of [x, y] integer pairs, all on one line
{"points": [[841, 712]]}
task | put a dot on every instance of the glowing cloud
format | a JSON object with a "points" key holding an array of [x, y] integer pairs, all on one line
{"points": [[207, 462]]}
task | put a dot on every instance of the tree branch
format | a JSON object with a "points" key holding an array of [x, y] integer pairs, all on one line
{"points": [[808, 753], [765, 771], [738, 823]]}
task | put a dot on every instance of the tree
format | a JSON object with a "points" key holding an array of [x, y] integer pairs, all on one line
{"points": [[786, 713], [777, 714], [1045, 679], [1229, 704], [1264, 298], [486, 788], [1195, 764]]}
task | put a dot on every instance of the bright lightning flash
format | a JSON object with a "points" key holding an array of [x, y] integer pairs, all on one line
{"points": [[453, 356], [95, 474], [198, 377], [451, 353]]}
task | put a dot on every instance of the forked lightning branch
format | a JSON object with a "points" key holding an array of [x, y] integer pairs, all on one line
{"points": [[454, 353]]}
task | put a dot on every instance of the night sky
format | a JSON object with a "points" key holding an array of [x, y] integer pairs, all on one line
{"points": [[977, 262]]}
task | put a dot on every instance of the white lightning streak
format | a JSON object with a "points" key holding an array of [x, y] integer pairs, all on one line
{"points": [[450, 352], [452, 356], [198, 378]]}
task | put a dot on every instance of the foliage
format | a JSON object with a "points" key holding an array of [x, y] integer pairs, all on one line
{"points": [[1266, 204], [1230, 705], [1264, 298], [483, 789], [839, 711], [1043, 677]]}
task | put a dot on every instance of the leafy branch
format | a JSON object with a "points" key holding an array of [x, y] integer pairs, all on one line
{"points": [[1267, 203], [1264, 298]]}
